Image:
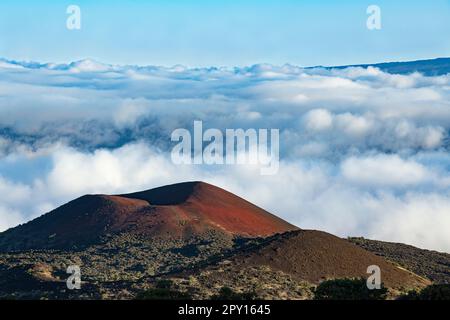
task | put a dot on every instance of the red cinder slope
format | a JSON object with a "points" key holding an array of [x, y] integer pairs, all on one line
{"points": [[315, 256], [203, 206], [179, 211]]}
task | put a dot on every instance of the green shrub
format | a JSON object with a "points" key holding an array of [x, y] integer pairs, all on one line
{"points": [[227, 293], [432, 292], [163, 294], [164, 284], [163, 291], [348, 289]]}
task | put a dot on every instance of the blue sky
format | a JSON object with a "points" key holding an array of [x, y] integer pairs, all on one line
{"points": [[362, 152], [202, 33]]}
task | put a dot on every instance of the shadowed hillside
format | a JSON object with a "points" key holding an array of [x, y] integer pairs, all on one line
{"points": [[430, 264]]}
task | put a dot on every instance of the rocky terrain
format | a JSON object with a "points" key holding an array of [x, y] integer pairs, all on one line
{"points": [[426, 263], [189, 240]]}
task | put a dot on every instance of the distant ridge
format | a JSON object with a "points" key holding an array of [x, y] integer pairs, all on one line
{"points": [[432, 67], [427, 263], [428, 67]]}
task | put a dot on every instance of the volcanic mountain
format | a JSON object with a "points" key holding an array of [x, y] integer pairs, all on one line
{"points": [[176, 211], [193, 234]]}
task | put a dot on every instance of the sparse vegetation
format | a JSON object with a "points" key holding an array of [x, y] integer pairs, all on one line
{"points": [[348, 289], [163, 294], [120, 262], [147, 256], [227, 293], [163, 291], [432, 265], [433, 292]]}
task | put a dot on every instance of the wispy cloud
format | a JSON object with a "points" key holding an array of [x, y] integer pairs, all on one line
{"points": [[363, 152]]}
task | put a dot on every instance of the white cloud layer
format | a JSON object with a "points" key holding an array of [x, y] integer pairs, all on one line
{"points": [[363, 152]]}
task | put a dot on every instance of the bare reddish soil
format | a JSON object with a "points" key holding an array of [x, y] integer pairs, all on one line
{"points": [[186, 210], [179, 210], [315, 256], [197, 206]]}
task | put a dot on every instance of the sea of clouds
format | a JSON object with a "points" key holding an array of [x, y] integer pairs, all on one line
{"points": [[363, 152]]}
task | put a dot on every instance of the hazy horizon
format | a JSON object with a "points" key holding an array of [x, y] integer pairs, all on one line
{"points": [[201, 33]]}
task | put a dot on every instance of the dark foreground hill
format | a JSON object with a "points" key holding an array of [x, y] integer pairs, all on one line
{"points": [[198, 236]]}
